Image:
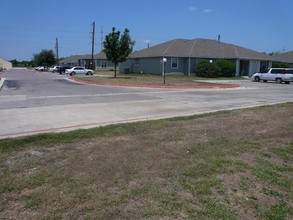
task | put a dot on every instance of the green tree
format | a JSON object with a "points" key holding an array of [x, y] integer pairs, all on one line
{"points": [[24, 63], [44, 58], [117, 48], [14, 62]]}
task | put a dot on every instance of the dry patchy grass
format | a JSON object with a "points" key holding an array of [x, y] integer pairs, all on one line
{"points": [[227, 165], [144, 79]]}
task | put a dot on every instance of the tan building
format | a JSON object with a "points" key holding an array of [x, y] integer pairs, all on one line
{"points": [[5, 64]]}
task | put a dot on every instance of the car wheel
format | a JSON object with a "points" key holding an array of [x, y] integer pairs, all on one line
{"points": [[88, 73], [265, 81], [287, 82], [279, 80], [256, 79]]}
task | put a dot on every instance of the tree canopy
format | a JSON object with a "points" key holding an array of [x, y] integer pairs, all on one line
{"points": [[44, 58], [117, 48]]}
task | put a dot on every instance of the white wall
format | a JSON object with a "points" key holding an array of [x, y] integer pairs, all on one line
{"points": [[254, 67], [5, 64]]}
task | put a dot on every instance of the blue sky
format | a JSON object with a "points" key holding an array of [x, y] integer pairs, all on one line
{"points": [[28, 26]]}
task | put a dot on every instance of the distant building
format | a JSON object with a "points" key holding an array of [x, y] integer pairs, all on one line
{"points": [[70, 61], [285, 58], [183, 55], [100, 61], [5, 64]]}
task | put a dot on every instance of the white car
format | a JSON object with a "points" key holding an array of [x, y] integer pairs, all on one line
{"points": [[54, 69], [274, 74], [41, 68], [79, 70]]}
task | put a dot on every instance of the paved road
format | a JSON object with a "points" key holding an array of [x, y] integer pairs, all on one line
{"points": [[33, 102]]}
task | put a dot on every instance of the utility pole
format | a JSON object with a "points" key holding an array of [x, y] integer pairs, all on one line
{"points": [[102, 38], [57, 51], [93, 45]]}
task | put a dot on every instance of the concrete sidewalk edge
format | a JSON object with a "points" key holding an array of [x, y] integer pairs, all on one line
{"points": [[85, 126], [1, 82]]}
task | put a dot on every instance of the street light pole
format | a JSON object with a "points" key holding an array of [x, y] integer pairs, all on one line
{"points": [[164, 69]]}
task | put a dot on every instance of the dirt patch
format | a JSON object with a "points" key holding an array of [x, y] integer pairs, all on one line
{"points": [[147, 80]]}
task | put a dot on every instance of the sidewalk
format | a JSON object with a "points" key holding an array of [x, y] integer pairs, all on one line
{"points": [[1, 82]]}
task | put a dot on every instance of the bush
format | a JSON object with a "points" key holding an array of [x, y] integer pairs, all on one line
{"points": [[227, 68], [207, 70], [220, 68], [280, 65]]}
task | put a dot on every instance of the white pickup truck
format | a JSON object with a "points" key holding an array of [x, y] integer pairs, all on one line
{"points": [[274, 74]]}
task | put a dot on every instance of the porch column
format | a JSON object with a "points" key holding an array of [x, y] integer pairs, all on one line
{"points": [[188, 66], [237, 67]]}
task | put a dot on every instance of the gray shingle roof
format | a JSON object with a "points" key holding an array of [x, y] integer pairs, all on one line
{"points": [[285, 57], [75, 58], [99, 56], [71, 59], [201, 48]]}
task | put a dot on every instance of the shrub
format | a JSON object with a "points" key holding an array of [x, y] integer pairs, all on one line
{"points": [[227, 68], [220, 68], [207, 70], [280, 65]]}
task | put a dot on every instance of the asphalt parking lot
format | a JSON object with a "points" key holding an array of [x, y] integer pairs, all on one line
{"points": [[33, 102]]}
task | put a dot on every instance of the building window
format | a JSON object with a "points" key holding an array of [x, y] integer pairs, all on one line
{"points": [[104, 64], [174, 63]]}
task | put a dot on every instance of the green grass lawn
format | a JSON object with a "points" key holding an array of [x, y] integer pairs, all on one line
{"points": [[226, 165]]}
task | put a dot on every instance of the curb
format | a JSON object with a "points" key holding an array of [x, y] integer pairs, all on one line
{"points": [[232, 86], [1, 82]]}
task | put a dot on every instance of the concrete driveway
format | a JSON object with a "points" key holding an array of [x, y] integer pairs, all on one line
{"points": [[33, 102]]}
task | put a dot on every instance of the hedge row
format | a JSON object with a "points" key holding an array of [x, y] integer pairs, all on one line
{"points": [[219, 68]]}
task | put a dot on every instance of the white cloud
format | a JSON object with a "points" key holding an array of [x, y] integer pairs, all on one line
{"points": [[192, 8], [207, 10]]}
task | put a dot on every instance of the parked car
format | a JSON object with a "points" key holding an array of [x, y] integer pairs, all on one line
{"points": [[54, 69], [41, 68], [79, 70], [63, 68], [274, 74]]}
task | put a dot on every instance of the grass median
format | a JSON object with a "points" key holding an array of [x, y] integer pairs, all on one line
{"points": [[226, 165], [106, 77]]}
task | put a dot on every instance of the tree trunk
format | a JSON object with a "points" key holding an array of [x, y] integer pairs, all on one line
{"points": [[115, 75]]}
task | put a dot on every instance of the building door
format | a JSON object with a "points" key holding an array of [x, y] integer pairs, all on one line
{"points": [[244, 68]]}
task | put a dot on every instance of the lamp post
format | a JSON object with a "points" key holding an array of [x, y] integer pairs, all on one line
{"points": [[164, 67]]}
